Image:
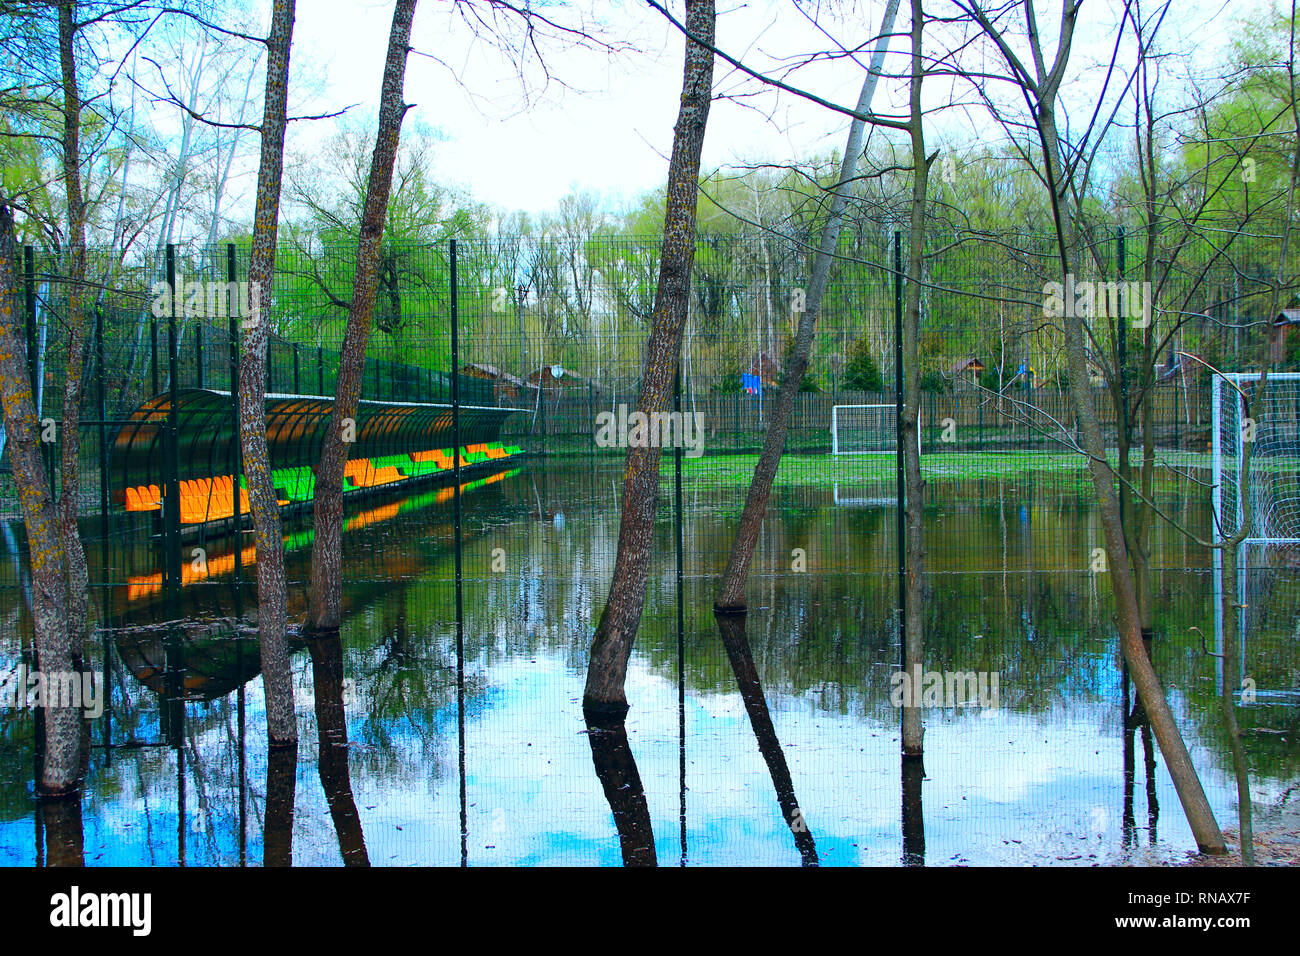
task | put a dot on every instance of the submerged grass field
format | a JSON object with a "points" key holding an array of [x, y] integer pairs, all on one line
{"points": [[803, 469]]}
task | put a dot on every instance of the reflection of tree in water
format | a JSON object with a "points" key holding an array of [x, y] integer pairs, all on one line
{"points": [[281, 785], [64, 839], [616, 768], [332, 751], [732, 629], [913, 771]]}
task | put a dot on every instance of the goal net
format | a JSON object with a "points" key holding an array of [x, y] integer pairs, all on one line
{"points": [[1271, 493], [863, 429]]}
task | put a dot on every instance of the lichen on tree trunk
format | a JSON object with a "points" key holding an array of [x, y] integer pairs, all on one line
{"points": [[61, 766]]}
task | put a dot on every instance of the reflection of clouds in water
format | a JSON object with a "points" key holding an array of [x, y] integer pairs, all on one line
{"points": [[1039, 782]]}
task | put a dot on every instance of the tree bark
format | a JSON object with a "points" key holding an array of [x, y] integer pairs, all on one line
{"points": [[1128, 617], [272, 596], [70, 440], [616, 632], [914, 649], [731, 594], [61, 766], [325, 599]]}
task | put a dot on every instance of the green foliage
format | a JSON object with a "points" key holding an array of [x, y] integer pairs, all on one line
{"points": [[861, 373], [934, 382]]}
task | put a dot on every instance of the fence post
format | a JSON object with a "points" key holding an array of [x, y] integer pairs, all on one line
{"points": [[297, 388], [236, 449], [153, 356], [900, 520], [104, 530], [1121, 413], [172, 499], [320, 370], [198, 353]]}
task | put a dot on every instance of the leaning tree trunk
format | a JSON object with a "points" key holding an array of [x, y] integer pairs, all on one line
{"points": [[1182, 771], [61, 767], [70, 445], [913, 650], [326, 596], [612, 645], [272, 596], [731, 595]]}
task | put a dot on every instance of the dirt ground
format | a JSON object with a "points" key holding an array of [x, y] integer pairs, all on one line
{"points": [[1277, 841]]}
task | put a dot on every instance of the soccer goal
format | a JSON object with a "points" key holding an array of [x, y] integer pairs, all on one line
{"points": [[863, 429], [1266, 589], [1273, 433]]}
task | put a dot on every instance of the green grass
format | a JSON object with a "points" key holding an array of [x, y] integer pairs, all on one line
{"points": [[827, 469]]}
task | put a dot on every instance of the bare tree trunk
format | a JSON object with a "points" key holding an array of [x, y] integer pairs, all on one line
{"points": [[1041, 89], [70, 444], [616, 632], [272, 596], [61, 768], [281, 792], [325, 599], [1128, 617], [731, 594], [914, 650]]}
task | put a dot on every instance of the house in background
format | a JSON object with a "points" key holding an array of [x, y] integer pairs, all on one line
{"points": [[972, 367], [504, 385]]}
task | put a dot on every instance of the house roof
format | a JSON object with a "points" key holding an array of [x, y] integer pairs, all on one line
{"points": [[964, 365], [490, 371]]}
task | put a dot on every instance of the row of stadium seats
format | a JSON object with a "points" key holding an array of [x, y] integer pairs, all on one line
{"points": [[212, 499]]}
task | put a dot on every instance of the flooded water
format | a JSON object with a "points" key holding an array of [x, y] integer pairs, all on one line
{"points": [[779, 746]]}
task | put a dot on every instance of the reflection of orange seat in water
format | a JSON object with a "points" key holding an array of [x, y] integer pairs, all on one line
{"points": [[143, 585], [373, 516]]}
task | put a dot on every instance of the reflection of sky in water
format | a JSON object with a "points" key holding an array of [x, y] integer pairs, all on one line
{"points": [[1040, 782]]}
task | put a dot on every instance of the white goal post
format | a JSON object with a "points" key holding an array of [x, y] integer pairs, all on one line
{"points": [[1273, 431], [864, 429]]}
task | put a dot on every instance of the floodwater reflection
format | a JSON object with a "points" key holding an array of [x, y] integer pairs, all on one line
{"points": [[332, 738], [616, 768], [449, 740], [731, 627]]}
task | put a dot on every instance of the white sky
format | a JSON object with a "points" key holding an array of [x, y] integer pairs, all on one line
{"points": [[612, 130]]}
